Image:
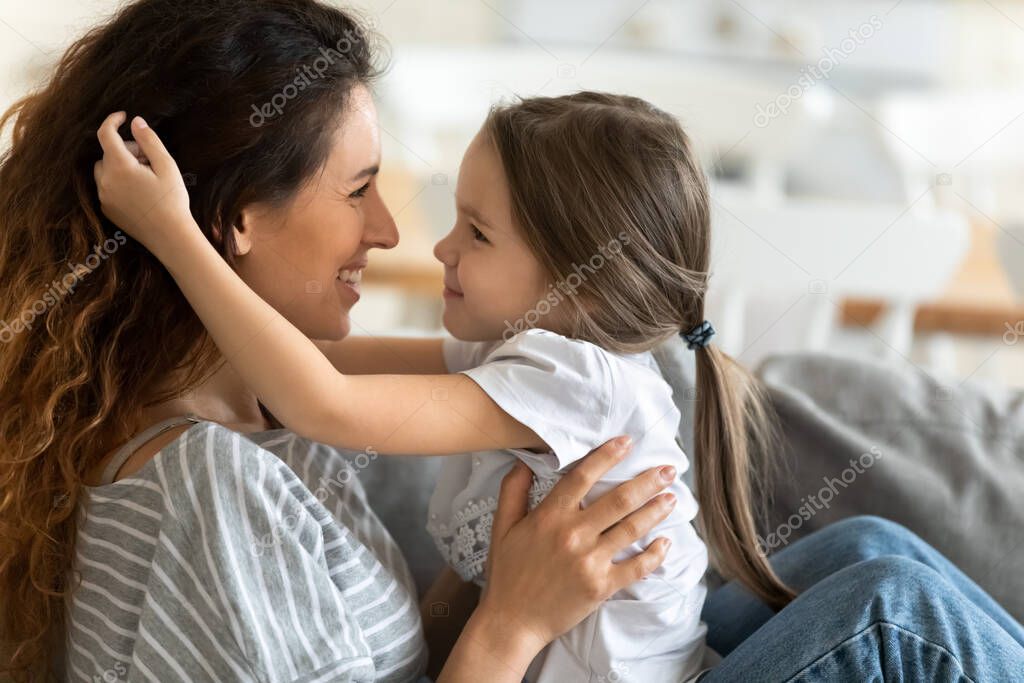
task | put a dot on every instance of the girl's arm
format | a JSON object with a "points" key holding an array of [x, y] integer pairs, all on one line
{"points": [[385, 355], [413, 414]]}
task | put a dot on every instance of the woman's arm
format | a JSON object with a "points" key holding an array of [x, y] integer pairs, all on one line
{"points": [[549, 569], [445, 609], [409, 414]]}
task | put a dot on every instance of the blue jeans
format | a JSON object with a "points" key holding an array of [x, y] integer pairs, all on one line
{"points": [[876, 603]]}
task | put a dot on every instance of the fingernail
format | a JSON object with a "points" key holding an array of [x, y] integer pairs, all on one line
{"points": [[141, 122], [667, 543], [668, 473], [668, 499], [622, 444]]}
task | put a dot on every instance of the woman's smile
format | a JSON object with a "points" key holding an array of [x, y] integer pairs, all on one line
{"points": [[350, 280]]}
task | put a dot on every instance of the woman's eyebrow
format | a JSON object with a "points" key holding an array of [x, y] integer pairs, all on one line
{"points": [[366, 172]]}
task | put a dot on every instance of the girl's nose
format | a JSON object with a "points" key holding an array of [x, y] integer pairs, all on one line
{"points": [[445, 251]]}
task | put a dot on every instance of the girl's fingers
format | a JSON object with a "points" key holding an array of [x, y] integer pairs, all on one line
{"points": [[639, 566], [513, 500], [638, 524], [113, 146], [151, 145], [627, 497], [578, 482]]}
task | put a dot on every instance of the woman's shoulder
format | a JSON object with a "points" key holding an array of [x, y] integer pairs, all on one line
{"points": [[210, 470], [210, 463], [219, 521], [209, 450], [285, 480], [225, 487], [210, 492]]}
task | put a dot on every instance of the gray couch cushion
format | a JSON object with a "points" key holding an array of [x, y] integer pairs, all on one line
{"points": [[944, 460], [398, 489]]}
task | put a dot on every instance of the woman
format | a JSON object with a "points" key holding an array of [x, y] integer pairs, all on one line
{"points": [[198, 554], [159, 558]]}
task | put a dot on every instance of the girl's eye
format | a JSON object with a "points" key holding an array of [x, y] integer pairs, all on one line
{"points": [[361, 192], [477, 235]]}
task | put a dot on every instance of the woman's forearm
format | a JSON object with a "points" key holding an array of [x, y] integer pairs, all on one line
{"points": [[445, 609], [491, 648]]}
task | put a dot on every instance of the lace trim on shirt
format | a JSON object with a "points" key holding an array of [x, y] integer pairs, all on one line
{"points": [[464, 542]]}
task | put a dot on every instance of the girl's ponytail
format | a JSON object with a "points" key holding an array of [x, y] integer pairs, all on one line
{"points": [[732, 428]]}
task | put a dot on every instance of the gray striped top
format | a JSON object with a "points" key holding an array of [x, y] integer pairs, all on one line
{"points": [[231, 557]]}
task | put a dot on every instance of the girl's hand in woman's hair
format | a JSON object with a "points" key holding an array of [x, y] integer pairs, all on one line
{"points": [[550, 568], [139, 185]]}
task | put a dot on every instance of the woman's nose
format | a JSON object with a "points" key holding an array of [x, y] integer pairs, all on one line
{"points": [[380, 230]]}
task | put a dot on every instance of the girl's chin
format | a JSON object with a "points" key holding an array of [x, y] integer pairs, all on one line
{"points": [[453, 322], [467, 330]]}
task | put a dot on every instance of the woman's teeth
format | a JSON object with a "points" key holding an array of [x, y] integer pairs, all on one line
{"points": [[352, 277]]}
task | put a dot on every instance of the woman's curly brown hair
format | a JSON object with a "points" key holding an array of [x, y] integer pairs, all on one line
{"points": [[91, 325]]}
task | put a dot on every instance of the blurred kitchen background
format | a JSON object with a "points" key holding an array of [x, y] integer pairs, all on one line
{"points": [[865, 157]]}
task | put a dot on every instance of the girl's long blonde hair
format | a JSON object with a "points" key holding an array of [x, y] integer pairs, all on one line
{"points": [[608, 188]]}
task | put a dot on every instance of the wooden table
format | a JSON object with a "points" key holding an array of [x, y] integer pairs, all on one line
{"points": [[979, 301]]}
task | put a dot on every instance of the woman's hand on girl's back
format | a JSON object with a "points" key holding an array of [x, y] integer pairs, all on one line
{"points": [[549, 569], [139, 185]]}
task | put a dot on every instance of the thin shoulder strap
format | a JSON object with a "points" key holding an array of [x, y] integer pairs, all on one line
{"points": [[125, 451]]}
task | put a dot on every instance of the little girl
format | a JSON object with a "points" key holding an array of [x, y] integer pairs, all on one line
{"points": [[582, 242]]}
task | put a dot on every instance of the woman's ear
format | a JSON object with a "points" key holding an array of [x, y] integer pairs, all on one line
{"points": [[241, 231]]}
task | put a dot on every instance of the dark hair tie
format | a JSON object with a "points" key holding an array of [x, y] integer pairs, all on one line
{"points": [[699, 337]]}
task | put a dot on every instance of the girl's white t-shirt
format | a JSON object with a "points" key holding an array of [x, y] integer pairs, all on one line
{"points": [[576, 396]]}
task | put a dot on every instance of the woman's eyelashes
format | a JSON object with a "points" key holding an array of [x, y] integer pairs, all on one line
{"points": [[361, 192]]}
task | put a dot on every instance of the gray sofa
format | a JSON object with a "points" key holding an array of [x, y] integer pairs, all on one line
{"points": [[945, 460], [860, 437]]}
